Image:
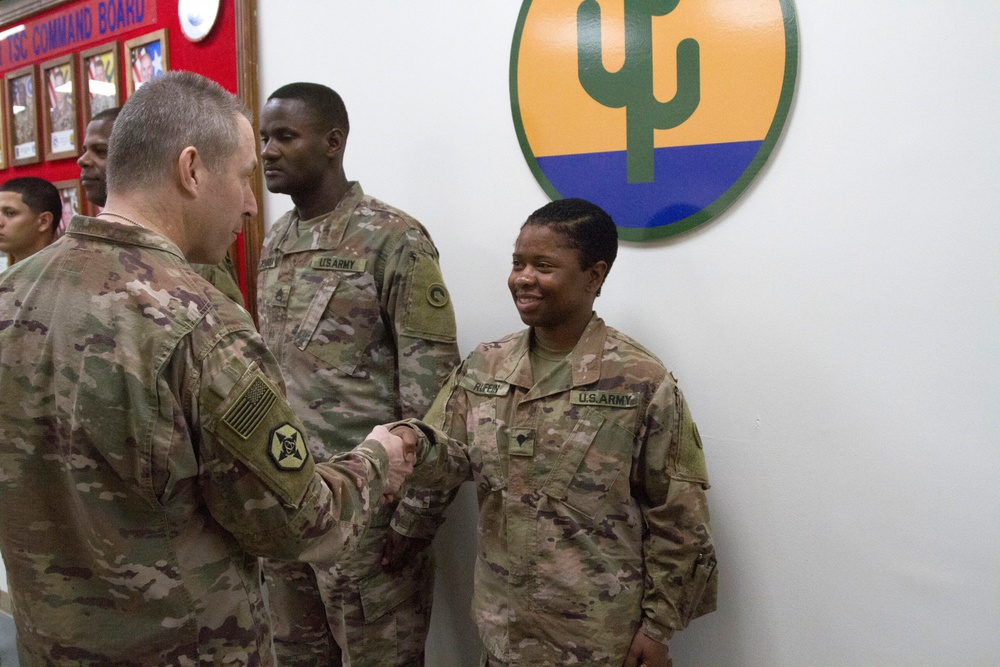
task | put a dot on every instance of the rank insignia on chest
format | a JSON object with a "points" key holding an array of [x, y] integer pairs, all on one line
{"points": [[522, 442], [287, 449], [329, 263]]}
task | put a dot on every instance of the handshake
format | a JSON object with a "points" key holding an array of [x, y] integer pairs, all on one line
{"points": [[400, 444]]}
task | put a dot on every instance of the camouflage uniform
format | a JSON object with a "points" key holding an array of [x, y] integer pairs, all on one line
{"points": [[222, 276], [148, 457], [355, 310], [593, 521]]}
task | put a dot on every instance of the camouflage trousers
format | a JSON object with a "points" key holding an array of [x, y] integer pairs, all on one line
{"points": [[351, 613]]}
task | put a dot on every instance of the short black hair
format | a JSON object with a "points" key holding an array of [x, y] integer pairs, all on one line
{"points": [[37, 194], [325, 103], [586, 226], [108, 114]]}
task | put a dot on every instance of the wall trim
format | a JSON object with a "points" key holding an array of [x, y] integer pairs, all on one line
{"points": [[19, 9]]}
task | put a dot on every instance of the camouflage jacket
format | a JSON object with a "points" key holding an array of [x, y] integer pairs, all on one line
{"points": [[358, 316], [354, 307], [593, 520], [223, 278], [147, 457]]}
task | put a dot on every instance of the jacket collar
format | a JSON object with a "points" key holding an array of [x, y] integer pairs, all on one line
{"points": [[121, 233], [325, 232], [584, 362]]}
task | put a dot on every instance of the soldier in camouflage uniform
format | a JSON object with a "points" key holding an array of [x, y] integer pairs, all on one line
{"points": [[93, 177], [594, 538], [30, 212], [147, 453], [352, 302]]}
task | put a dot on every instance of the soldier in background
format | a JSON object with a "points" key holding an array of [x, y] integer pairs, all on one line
{"points": [[30, 211], [93, 178], [148, 456], [594, 537], [352, 303]]}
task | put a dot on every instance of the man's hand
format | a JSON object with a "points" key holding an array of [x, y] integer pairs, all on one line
{"points": [[400, 550], [401, 446], [646, 652]]}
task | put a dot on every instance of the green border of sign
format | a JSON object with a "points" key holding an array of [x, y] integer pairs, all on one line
{"points": [[735, 190]]}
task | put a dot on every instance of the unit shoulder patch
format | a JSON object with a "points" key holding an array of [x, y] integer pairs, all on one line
{"points": [[437, 295], [429, 313], [287, 448]]}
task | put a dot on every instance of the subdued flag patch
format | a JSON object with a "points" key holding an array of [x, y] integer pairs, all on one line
{"points": [[250, 408]]}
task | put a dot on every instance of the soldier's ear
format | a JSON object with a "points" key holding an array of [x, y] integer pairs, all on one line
{"points": [[44, 222], [596, 275], [189, 169], [335, 140]]}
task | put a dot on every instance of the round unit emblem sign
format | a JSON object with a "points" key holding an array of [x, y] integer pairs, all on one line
{"points": [[660, 111]]}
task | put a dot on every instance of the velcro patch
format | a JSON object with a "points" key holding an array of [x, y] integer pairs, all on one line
{"points": [[429, 313], [250, 408], [287, 448], [485, 388], [606, 399], [256, 424], [437, 295], [329, 263], [267, 263], [522, 442]]}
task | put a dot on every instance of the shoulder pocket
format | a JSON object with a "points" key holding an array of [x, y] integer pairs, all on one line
{"points": [[429, 312], [689, 455], [256, 425]]}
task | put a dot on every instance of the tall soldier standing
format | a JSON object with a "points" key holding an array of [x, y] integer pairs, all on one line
{"points": [[147, 453], [352, 302]]}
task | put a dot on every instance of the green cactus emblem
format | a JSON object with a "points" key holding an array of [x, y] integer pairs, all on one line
{"points": [[632, 86]]}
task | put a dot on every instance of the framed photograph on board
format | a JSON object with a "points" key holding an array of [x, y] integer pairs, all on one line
{"points": [[72, 202], [59, 113], [148, 57], [21, 112], [99, 71]]}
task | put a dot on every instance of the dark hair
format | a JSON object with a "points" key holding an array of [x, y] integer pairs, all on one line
{"points": [[326, 104], [108, 114], [586, 227], [37, 194], [163, 117]]}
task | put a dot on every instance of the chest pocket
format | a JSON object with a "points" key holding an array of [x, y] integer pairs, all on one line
{"points": [[593, 456], [340, 322]]}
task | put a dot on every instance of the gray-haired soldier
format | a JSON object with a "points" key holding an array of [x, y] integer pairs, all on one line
{"points": [[147, 453]]}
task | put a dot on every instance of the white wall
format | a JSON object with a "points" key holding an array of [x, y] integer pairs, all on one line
{"points": [[836, 331]]}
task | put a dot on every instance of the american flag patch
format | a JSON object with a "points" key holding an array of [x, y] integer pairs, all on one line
{"points": [[250, 408]]}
